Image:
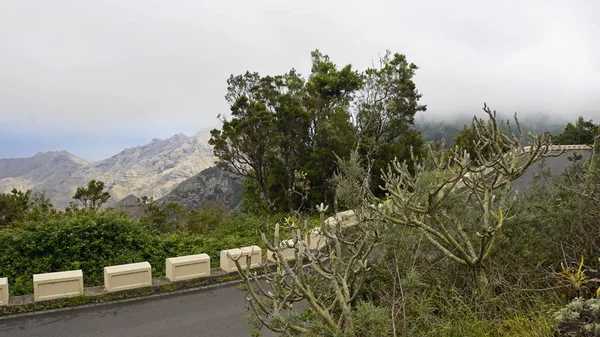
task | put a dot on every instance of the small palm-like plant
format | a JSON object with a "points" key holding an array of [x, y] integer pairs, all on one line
{"points": [[577, 281], [573, 277]]}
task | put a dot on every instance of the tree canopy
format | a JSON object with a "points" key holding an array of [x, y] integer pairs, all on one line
{"points": [[580, 133], [93, 196], [286, 132]]}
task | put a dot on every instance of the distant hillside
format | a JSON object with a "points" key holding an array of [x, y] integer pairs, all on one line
{"points": [[48, 172], [130, 204], [152, 170], [212, 184], [445, 131]]}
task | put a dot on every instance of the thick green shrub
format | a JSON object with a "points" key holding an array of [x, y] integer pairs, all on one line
{"points": [[92, 241], [88, 242]]}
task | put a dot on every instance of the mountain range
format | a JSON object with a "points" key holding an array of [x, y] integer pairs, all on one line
{"points": [[150, 170]]}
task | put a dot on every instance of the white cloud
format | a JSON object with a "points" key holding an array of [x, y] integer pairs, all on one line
{"points": [[161, 66]]}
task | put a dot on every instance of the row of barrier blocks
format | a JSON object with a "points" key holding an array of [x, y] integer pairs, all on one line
{"points": [[64, 284], [51, 286]]}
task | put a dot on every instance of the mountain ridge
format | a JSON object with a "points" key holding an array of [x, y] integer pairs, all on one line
{"points": [[152, 169]]}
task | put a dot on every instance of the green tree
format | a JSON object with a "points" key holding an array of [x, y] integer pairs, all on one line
{"points": [[93, 196], [174, 217], [14, 206], [206, 220], [40, 207], [282, 126], [582, 133], [247, 143], [385, 111], [328, 100]]}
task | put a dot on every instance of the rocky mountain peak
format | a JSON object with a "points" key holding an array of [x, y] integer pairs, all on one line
{"points": [[152, 169]]}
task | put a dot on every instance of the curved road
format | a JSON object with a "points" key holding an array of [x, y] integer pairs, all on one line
{"points": [[211, 312]]}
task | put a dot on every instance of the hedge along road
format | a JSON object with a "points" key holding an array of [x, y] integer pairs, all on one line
{"points": [[211, 312]]}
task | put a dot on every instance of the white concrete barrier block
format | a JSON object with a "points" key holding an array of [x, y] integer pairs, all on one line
{"points": [[287, 251], [255, 254], [127, 276], [3, 291], [347, 218], [228, 264], [315, 239], [51, 286], [187, 267]]}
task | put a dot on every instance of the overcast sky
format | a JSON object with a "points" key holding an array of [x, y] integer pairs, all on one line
{"points": [[96, 76]]}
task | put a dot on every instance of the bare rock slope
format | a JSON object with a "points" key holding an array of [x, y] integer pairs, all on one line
{"points": [[48, 171], [150, 170], [211, 185], [209, 188]]}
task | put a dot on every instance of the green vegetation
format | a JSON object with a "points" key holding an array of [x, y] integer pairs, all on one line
{"points": [[445, 247], [442, 246], [583, 132], [286, 131], [93, 196], [44, 240], [449, 251]]}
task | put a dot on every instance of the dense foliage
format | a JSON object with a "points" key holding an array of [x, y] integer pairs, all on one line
{"points": [[285, 131], [92, 240], [455, 251], [449, 250], [582, 132]]}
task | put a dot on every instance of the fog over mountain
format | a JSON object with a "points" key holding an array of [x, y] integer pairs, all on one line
{"points": [[97, 76]]}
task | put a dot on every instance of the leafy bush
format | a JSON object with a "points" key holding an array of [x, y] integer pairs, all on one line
{"points": [[581, 317], [372, 321], [90, 242]]}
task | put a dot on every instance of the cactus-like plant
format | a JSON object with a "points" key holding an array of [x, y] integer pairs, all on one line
{"points": [[327, 276], [459, 204]]}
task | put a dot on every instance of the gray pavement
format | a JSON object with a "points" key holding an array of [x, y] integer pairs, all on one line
{"points": [[213, 312]]}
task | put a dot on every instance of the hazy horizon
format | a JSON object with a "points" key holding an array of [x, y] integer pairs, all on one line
{"points": [[136, 142], [94, 78]]}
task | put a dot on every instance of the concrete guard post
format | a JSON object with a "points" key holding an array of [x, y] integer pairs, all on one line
{"points": [[228, 265], [3, 291], [187, 267], [286, 251], [127, 276], [51, 286]]}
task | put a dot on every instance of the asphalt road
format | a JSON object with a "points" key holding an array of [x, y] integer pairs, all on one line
{"points": [[213, 312]]}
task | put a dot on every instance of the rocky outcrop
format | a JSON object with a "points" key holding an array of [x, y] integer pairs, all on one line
{"points": [[211, 185], [131, 205]]}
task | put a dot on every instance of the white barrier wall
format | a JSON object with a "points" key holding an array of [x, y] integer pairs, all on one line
{"points": [[187, 267], [286, 251], [62, 284], [346, 218], [228, 265], [127, 276], [3, 291], [315, 239]]}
